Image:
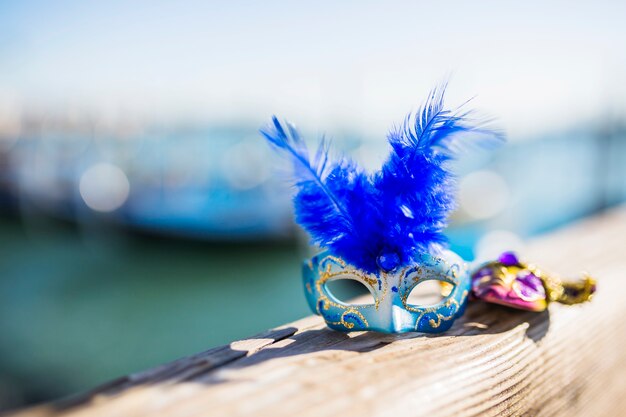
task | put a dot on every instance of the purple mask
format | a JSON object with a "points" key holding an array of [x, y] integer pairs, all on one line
{"points": [[509, 282]]}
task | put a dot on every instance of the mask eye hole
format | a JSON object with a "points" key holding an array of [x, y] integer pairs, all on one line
{"points": [[349, 291], [429, 293]]}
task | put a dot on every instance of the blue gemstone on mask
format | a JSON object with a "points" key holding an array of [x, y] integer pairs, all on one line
{"points": [[388, 261]]}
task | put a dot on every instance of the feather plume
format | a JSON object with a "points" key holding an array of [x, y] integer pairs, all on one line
{"points": [[383, 220], [333, 198], [416, 185]]}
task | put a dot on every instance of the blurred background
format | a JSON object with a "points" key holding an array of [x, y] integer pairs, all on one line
{"points": [[141, 217]]}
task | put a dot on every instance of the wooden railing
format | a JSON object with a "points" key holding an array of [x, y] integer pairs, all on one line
{"points": [[570, 361]]}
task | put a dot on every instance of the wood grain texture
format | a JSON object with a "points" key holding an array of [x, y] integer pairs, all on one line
{"points": [[493, 362]]}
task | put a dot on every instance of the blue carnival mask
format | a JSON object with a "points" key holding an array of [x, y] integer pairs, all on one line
{"points": [[384, 229], [390, 310]]}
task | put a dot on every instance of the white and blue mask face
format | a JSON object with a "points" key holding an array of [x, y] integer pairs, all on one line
{"points": [[391, 311]]}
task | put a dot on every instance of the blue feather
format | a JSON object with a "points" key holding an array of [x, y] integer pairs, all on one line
{"points": [[383, 220], [333, 198], [305, 170]]}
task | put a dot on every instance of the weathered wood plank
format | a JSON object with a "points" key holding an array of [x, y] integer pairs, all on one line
{"points": [[494, 361]]}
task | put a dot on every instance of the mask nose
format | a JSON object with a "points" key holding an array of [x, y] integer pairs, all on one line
{"points": [[400, 319]]}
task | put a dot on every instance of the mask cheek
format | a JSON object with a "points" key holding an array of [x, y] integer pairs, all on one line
{"points": [[344, 317], [337, 309]]}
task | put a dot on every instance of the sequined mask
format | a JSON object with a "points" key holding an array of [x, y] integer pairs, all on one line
{"points": [[390, 311]]}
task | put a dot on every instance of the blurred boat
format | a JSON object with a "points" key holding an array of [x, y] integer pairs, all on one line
{"points": [[192, 182], [218, 182]]}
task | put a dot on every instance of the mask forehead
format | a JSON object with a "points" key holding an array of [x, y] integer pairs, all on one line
{"points": [[333, 268], [431, 268]]}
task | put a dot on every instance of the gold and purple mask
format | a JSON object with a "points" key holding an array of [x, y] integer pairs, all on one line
{"points": [[512, 283]]}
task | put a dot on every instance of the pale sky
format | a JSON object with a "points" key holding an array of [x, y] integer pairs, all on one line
{"points": [[326, 65]]}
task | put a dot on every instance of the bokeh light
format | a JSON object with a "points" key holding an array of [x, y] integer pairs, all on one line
{"points": [[104, 187], [483, 194]]}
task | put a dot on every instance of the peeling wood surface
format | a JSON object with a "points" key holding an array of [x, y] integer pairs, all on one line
{"points": [[493, 362]]}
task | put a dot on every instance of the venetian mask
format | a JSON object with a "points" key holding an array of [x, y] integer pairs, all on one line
{"points": [[508, 281], [390, 310]]}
